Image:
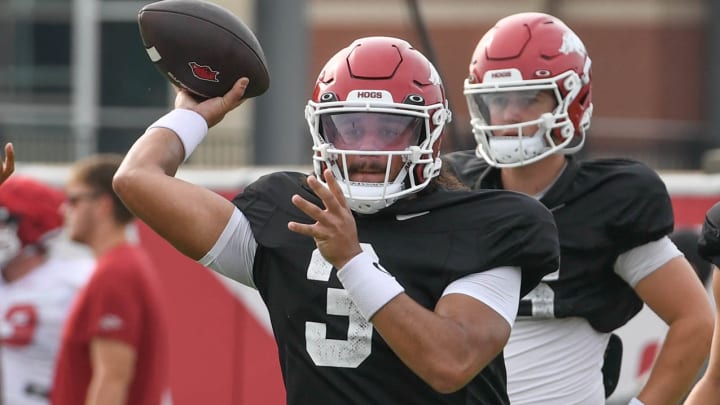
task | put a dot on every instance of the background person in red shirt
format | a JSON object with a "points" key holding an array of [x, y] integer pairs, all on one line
{"points": [[114, 348]]}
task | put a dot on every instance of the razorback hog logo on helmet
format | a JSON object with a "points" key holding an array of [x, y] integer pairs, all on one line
{"points": [[204, 72], [572, 43], [434, 75]]}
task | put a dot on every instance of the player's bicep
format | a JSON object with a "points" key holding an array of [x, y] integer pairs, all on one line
{"points": [[498, 289], [484, 306], [674, 291], [638, 263], [481, 331], [233, 253]]}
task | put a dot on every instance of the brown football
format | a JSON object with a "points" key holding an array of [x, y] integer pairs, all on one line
{"points": [[202, 47]]}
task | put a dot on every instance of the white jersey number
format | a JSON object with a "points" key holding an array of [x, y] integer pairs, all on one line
{"points": [[348, 353], [542, 298]]}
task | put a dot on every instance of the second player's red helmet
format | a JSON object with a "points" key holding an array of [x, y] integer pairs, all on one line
{"points": [[379, 78], [29, 212], [523, 53]]}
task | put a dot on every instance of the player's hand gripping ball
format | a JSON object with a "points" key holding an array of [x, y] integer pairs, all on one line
{"points": [[202, 47]]}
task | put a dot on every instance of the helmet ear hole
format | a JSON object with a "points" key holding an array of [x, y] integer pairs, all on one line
{"points": [[414, 99], [328, 97]]}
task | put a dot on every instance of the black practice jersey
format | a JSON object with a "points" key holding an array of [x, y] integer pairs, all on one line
{"points": [[329, 354], [602, 208]]}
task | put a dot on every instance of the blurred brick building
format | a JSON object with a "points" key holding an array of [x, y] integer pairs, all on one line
{"points": [[74, 78]]}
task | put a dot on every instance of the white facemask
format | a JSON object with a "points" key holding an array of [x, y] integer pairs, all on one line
{"points": [[10, 244]]}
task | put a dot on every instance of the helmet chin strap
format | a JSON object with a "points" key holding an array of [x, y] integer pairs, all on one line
{"points": [[511, 150], [515, 149], [368, 198]]}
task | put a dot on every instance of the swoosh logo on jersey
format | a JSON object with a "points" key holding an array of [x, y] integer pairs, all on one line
{"points": [[110, 322], [405, 217]]}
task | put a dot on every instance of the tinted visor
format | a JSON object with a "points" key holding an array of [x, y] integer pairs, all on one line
{"points": [[499, 102], [371, 130]]}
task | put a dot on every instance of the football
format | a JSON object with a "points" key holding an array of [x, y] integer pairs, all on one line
{"points": [[202, 47]]}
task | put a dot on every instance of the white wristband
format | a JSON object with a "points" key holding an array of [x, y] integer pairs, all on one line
{"points": [[369, 285], [189, 126], [635, 401]]}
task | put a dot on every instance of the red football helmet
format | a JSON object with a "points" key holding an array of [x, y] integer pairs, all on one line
{"points": [[386, 81], [522, 55], [31, 206]]}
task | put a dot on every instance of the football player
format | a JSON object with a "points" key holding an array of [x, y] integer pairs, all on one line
{"points": [[707, 390], [386, 280], [36, 288], [530, 103]]}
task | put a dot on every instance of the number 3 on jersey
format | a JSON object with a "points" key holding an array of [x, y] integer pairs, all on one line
{"points": [[18, 326], [326, 352]]}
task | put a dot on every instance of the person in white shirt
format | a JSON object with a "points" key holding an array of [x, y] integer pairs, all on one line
{"points": [[36, 288]]}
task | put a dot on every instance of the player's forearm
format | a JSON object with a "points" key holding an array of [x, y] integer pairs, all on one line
{"points": [[685, 348], [104, 390], [157, 149], [439, 349], [707, 391], [147, 168]]}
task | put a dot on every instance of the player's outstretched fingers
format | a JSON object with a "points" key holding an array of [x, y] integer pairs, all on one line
{"points": [[334, 201], [312, 210], [328, 198], [302, 229], [8, 166], [334, 187]]}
